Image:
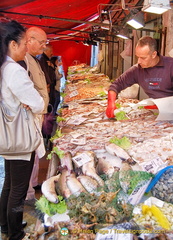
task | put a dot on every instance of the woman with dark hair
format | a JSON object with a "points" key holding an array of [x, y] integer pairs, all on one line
{"points": [[16, 88]]}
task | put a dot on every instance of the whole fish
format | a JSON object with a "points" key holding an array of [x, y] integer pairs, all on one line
{"points": [[61, 184], [48, 189], [104, 167], [74, 185], [112, 159], [89, 170], [88, 183], [119, 152], [66, 161], [53, 165]]}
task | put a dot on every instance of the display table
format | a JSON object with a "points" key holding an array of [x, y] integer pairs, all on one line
{"points": [[84, 129]]}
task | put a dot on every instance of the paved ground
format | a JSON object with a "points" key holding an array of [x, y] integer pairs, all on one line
{"points": [[29, 209]]}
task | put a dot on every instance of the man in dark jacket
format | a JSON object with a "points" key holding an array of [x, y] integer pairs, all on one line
{"points": [[44, 60]]}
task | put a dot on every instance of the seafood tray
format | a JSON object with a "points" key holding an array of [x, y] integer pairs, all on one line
{"points": [[82, 150]]}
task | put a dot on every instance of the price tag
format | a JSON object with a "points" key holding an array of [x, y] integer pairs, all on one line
{"points": [[76, 121], [153, 166], [71, 88], [135, 197], [81, 159], [78, 141], [73, 94], [73, 105]]}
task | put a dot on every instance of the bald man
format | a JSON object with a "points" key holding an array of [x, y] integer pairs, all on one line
{"points": [[36, 43]]}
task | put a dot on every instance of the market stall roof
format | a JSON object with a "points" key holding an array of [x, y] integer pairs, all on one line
{"points": [[66, 19]]}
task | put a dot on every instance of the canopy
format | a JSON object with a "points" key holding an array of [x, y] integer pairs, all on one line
{"points": [[68, 20]]}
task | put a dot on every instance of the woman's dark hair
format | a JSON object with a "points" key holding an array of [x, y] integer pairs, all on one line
{"points": [[9, 31], [53, 60]]}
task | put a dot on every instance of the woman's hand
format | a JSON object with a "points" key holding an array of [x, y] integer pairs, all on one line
{"points": [[26, 106]]}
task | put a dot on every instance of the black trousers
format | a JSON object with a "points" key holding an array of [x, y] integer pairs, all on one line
{"points": [[16, 183], [57, 101]]}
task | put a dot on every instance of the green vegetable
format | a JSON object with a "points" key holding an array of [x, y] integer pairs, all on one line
{"points": [[60, 119], [49, 208], [102, 94], [118, 105], [58, 134], [88, 80], [140, 107], [134, 178], [60, 153], [63, 94], [121, 142], [121, 116]]}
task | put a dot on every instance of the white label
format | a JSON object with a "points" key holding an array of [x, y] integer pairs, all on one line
{"points": [[73, 94], [71, 88], [81, 159], [76, 121], [78, 141], [138, 192], [153, 165]]}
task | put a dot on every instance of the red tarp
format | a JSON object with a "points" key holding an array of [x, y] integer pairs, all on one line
{"points": [[43, 12]]}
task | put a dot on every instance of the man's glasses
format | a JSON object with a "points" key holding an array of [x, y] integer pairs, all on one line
{"points": [[40, 42]]}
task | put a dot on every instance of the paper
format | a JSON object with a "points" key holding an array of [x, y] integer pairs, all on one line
{"points": [[153, 166], [165, 107], [138, 192], [81, 159], [79, 141], [76, 121]]}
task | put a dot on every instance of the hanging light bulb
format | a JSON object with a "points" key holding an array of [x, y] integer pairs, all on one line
{"points": [[156, 6], [137, 21], [106, 21], [123, 33]]}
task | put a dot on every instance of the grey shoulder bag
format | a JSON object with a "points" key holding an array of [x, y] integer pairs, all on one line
{"points": [[18, 134]]}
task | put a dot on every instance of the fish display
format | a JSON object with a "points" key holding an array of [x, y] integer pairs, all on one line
{"points": [[88, 183], [89, 170], [61, 185], [53, 165], [104, 167], [119, 152], [87, 131], [48, 189], [74, 185], [66, 161]]}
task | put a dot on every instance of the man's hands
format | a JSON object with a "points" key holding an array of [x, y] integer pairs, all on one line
{"points": [[151, 107], [111, 104]]}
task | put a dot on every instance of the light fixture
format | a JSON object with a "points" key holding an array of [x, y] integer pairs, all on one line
{"points": [[88, 42], [137, 21], [156, 6], [106, 22], [123, 33]]}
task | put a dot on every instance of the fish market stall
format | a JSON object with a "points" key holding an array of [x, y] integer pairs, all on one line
{"points": [[103, 177]]}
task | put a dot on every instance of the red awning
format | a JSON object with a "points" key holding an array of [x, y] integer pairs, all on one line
{"points": [[60, 17]]}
